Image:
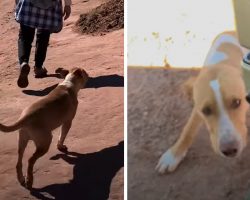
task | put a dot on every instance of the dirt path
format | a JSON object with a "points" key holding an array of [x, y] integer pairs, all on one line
{"points": [[157, 112], [97, 128]]}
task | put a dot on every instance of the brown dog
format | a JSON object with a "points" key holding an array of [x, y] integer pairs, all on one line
{"points": [[39, 119]]}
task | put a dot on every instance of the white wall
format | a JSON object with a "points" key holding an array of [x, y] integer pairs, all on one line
{"points": [[177, 32]]}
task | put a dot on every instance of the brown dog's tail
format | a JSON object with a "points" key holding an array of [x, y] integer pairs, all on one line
{"points": [[12, 127]]}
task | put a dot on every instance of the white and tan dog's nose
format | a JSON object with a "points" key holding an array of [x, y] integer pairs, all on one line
{"points": [[230, 146]]}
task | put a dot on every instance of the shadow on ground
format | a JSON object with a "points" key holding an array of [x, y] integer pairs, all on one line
{"points": [[92, 175], [112, 80]]}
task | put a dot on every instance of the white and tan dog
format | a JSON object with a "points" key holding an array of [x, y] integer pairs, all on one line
{"points": [[219, 96], [39, 119]]}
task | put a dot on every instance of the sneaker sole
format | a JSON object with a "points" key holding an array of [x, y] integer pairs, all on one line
{"points": [[23, 81]]}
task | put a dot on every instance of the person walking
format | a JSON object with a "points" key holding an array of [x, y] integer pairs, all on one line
{"points": [[40, 18]]}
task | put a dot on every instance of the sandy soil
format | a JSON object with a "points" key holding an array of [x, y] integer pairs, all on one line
{"points": [[157, 112], [95, 164]]}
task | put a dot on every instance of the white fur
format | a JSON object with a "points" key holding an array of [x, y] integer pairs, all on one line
{"points": [[168, 162], [67, 81], [214, 56], [227, 131]]}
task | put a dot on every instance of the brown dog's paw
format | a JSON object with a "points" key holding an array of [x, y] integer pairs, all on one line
{"points": [[62, 148]]}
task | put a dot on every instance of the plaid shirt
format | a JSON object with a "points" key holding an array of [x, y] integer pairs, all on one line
{"points": [[50, 19]]}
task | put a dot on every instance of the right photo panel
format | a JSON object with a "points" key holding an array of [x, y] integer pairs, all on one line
{"points": [[188, 101]]}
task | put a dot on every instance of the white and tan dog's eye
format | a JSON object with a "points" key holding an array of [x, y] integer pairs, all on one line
{"points": [[235, 103], [207, 110]]}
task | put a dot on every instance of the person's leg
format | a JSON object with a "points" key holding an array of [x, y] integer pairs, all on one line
{"points": [[26, 37], [42, 42]]}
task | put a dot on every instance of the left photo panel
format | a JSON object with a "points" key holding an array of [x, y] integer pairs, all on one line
{"points": [[62, 99]]}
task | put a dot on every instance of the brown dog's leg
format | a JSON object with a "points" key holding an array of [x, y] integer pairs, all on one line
{"points": [[64, 131], [42, 147], [173, 156], [22, 143]]}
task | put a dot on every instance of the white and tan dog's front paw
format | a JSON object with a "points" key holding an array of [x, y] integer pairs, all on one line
{"points": [[168, 162]]}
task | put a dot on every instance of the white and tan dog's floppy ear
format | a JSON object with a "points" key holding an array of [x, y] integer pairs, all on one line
{"points": [[187, 87], [63, 72]]}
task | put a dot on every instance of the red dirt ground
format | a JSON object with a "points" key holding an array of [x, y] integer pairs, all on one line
{"points": [[157, 112], [97, 128]]}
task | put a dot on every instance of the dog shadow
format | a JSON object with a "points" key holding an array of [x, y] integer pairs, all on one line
{"points": [[92, 175], [56, 75], [112, 80]]}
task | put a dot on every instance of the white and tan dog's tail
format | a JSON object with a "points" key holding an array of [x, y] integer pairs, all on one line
{"points": [[17, 125]]}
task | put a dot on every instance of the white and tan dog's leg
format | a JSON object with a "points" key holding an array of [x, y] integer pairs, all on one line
{"points": [[173, 156], [64, 131]]}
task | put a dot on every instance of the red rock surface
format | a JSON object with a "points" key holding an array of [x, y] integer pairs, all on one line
{"points": [[98, 125]]}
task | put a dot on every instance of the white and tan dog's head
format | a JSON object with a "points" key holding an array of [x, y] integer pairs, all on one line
{"points": [[219, 99]]}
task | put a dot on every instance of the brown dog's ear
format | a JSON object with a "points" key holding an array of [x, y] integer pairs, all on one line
{"points": [[187, 87], [85, 73], [62, 72], [78, 72]]}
